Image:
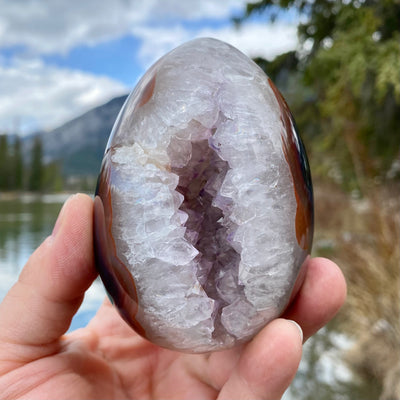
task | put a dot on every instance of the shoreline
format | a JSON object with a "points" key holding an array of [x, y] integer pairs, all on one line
{"points": [[47, 197]]}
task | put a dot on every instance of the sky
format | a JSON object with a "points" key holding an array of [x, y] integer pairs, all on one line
{"points": [[59, 59]]}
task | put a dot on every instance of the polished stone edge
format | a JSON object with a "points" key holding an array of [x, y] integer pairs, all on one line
{"points": [[116, 277]]}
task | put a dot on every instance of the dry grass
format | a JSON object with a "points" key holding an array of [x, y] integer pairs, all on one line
{"points": [[363, 237]]}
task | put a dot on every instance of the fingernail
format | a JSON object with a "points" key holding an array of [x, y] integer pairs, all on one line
{"points": [[298, 327], [60, 217]]}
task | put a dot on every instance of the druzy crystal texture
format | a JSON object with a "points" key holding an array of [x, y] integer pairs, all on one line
{"points": [[204, 207]]}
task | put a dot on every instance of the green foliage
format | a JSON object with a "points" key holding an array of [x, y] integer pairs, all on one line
{"points": [[41, 177], [18, 166], [352, 70], [36, 177], [44, 177], [11, 166], [4, 162], [357, 78]]}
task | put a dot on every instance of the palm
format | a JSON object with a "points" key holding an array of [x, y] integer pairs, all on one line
{"points": [[145, 370], [108, 360]]}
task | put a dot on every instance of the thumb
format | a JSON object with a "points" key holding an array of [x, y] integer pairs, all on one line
{"points": [[268, 363], [39, 308]]}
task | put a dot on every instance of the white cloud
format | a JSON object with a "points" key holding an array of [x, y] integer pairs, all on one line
{"points": [[158, 41], [35, 95], [57, 26], [41, 96], [259, 40], [254, 40]]}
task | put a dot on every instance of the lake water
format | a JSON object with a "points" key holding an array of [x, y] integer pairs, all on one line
{"points": [[26, 221]]}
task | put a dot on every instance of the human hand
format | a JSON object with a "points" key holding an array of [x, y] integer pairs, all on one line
{"points": [[108, 360]]}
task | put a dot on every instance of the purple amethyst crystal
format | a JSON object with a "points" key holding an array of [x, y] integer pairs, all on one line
{"points": [[204, 214]]}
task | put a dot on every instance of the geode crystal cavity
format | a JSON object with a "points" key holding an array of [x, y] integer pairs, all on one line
{"points": [[204, 214]]}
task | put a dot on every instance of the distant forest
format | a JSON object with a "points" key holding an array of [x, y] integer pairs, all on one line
{"points": [[16, 174]]}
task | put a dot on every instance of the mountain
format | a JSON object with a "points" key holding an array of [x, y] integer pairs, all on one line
{"points": [[79, 144]]}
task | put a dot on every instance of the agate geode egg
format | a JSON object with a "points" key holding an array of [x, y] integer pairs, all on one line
{"points": [[204, 208]]}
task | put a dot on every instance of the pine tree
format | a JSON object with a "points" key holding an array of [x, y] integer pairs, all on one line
{"points": [[349, 68], [4, 163], [36, 172], [18, 166]]}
